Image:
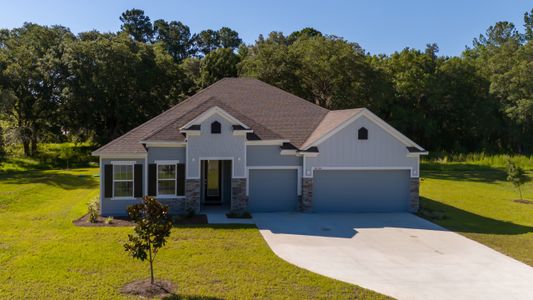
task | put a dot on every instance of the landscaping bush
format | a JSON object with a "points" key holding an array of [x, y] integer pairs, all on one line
{"points": [[93, 208]]}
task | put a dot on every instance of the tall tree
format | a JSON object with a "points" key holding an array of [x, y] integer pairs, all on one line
{"points": [[207, 41], [176, 38], [137, 25], [115, 84], [217, 65], [32, 76]]}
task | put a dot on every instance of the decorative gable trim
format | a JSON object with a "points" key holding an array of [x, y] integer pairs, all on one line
{"points": [[210, 112], [376, 120]]}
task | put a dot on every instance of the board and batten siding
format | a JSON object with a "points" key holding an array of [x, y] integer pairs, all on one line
{"points": [[166, 153], [269, 155], [115, 207], [344, 150], [224, 145]]}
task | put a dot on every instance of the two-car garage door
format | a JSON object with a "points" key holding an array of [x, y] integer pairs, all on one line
{"points": [[273, 190], [360, 190]]}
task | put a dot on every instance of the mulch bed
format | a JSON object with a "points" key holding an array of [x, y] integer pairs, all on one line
{"points": [[100, 222], [143, 288], [126, 222], [524, 201]]}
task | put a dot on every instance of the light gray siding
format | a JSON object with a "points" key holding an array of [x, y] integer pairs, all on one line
{"points": [[361, 191], [224, 146], [344, 150], [164, 153], [115, 207], [269, 155], [272, 190]]}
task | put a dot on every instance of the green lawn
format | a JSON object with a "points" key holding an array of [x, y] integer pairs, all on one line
{"points": [[42, 255], [476, 201]]}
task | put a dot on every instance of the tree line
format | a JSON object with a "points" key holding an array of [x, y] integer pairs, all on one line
{"points": [[57, 86]]}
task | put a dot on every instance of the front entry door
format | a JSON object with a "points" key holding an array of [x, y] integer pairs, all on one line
{"points": [[212, 182]]}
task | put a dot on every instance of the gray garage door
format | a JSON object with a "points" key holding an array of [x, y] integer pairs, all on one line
{"points": [[272, 190], [361, 191]]}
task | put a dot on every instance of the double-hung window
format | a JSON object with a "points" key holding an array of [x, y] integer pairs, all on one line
{"points": [[166, 180], [123, 180]]}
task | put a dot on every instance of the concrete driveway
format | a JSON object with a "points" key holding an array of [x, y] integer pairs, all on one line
{"points": [[399, 255]]}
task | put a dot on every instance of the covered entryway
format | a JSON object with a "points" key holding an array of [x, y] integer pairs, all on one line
{"points": [[361, 190], [272, 190]]}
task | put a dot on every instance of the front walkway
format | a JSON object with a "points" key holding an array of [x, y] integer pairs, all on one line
{"points": [[400, 255], [217, 215]]}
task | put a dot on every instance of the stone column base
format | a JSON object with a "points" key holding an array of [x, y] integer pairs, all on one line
{"points": [[414, 198], [192, 195], [306, 200], [239, 200]]}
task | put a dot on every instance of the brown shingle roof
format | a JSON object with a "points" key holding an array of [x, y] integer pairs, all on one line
{"points": [[269, 111]]}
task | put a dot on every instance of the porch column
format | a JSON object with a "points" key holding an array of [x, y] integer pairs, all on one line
{"points": [[239, 200], [306, 200], [192, 194], [414, 198]]}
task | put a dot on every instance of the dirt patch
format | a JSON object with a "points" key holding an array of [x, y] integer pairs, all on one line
{"points": [[143, 288], [523, 201], [126, 222], [186, 220], [101, 222]]}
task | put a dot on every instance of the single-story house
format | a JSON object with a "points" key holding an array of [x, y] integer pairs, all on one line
{"points": [[246, 145]]}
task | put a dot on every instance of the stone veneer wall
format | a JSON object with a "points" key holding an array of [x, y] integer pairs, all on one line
{"points": [[414, 198], [239, 200], [192, 194], [306, 202]]}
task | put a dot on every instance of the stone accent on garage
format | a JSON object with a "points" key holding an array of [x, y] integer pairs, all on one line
{"points": [[306, 201], [192, 195], [414, 198], [239, 200]]}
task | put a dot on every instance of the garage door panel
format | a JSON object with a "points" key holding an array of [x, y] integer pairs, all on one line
{"points": [[361, 191], [272, 190]]}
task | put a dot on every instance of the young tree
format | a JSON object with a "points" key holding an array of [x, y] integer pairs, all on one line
{"points": [[152, 229], [516, 175]]}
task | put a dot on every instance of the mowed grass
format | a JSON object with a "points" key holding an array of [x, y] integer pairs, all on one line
{"points": [[478, 202], [42, 255]]}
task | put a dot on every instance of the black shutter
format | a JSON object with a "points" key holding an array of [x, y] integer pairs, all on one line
{"points": [[180, 184], [108, 181], [138, 184], [152, 179]]}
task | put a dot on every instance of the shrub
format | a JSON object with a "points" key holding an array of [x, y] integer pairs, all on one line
{"points": [[152, 228], [93, 209], [108, 220], [239, 215]]}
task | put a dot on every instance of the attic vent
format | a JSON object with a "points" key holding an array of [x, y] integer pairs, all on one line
{"points": [[362, 134], [215, 127]]}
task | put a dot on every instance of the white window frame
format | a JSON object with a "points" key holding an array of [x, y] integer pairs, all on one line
{"points": [[124, 163], [167, 163]]}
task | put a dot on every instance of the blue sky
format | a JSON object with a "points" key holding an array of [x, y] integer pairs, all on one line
{"points": [[378, 26]]}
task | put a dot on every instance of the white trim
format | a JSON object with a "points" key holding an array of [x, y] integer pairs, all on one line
{"points": [[208, 113], [374, 118], [417, 154], [266, 142], [163, 144], [413, 173], [191, 132], [123, 163], [123, 156], [102, 183], [288, 152], [242, 132], [307, 154], [298, 175], [166, 163]]}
